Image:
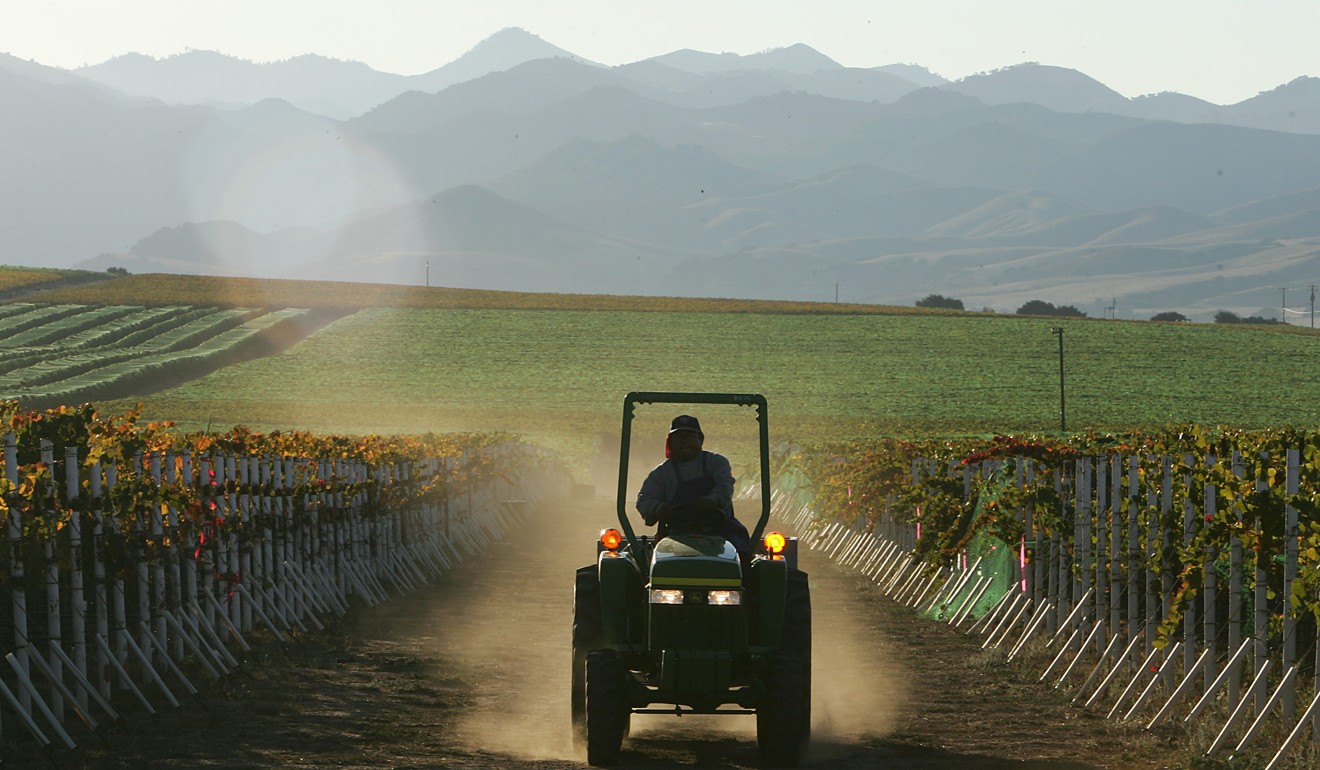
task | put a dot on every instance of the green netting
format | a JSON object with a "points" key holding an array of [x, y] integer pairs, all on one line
{"points": [[996, 565]]}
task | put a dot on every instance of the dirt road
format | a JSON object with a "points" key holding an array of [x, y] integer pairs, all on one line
{"points": [[473, 673]]}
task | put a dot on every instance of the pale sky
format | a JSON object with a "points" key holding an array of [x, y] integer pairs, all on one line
{"points": [[1223, 51]]}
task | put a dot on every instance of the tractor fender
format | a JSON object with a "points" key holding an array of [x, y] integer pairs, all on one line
{"points": [[769, 581], [621, 601]]}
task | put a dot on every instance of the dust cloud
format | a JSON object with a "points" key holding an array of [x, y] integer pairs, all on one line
{"points": [[505, 630], [859, 683], [510, 630]]}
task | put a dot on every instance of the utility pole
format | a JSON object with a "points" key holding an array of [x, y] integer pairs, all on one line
{"points": [[1283, 305], [1063, 421], [1312, 306]]}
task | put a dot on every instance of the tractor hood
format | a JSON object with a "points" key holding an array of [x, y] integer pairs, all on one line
{"points": [[695, 560]]}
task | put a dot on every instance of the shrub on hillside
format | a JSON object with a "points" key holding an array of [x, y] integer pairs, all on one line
{"points": [[1170, 315], [940, 301]]}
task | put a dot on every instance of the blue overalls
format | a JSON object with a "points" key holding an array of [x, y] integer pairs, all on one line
{"points": [[692, 490]]}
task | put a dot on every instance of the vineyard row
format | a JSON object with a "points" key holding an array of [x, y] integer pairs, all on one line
{"points": [[125, 581], [1159, 585]]}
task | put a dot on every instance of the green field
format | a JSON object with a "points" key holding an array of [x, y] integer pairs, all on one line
{"points": [[559, 376], [555, 368]]}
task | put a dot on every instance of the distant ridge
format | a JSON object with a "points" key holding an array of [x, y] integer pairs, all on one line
{"points": [[799, 58], [780, 174], [1056, 88], [501, 51]]}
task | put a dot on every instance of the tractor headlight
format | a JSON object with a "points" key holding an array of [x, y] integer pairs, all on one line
{"points": [[724, 598], [666, 596]]}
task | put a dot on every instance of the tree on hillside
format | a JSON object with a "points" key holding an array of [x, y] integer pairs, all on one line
{"points": [[1228, 317], [940, 301], [1041, 307], [1170, 315]]}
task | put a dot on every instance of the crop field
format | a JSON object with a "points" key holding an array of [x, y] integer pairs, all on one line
{"points": [[67, 354], [554, 367], [545, 373]]}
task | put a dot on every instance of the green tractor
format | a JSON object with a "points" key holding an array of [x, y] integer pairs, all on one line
{"points": [[681, 624]]}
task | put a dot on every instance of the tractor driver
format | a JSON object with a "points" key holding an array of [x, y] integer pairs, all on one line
{"points": [[692, 491]]}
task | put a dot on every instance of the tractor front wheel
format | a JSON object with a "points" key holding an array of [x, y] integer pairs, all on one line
{"points": [[607, 710], [783, 721], [587, 636]]}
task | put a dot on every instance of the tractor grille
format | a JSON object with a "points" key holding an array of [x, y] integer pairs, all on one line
{"points": [[698, 627]]}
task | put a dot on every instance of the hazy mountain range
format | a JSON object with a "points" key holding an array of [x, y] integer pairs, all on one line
{"points": [[779, 175]]}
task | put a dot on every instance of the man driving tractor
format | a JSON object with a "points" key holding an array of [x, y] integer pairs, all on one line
{"points": [[692, 490]]}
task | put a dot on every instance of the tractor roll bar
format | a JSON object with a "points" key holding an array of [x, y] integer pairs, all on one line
{"points": [[736, 399]]}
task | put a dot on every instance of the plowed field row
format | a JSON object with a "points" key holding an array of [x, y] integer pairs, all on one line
{"points": [[63, 354]]}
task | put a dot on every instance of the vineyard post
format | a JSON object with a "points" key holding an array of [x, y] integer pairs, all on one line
{"points": [[1152, 563], [250, 543], [269, 570], [17, 577], [144, 641], [293, 545], [1189, 532], [330, 524], [157, 557], [1115, 545], [119, 627], [1290, 539], [283, 593], [1055, 592], [233, 566], [466, 459], [210, 549], [1023, 582], [1040, 549], [53, 630], [314, 514], [1210, 580], [1165, 538], [1135, 562], [1260, 626], [448, 472], [174, 555], [1235, 587], [224, 516], [190, 542], [77, 604], [99, 579], [1101, 549], [1082, 488]]}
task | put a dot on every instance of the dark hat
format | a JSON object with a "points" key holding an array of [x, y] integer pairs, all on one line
{"points": [[686, 422]]}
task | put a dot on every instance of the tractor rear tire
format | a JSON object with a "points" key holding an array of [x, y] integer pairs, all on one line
{"points": [[607, 707], [783, 722], [587, 636]]}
